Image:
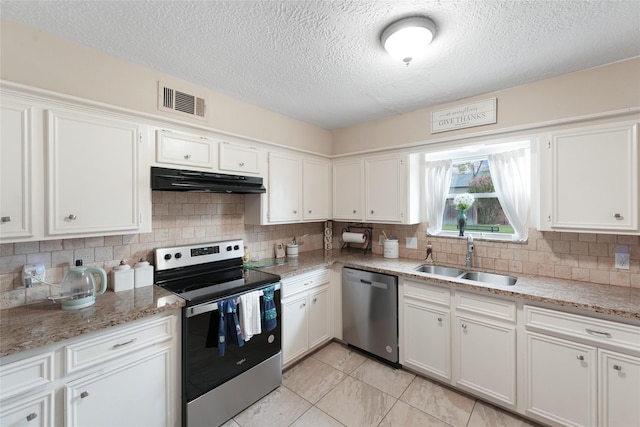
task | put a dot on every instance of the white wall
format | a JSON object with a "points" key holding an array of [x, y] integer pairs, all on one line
{"points": [[585, 93], [40, 60]]}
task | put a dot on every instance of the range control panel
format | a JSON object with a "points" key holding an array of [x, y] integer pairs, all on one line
{"points": [[184, 256]]}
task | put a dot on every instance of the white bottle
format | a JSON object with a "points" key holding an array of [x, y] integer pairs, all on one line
{"points": [[143, 274], [122, 277]]}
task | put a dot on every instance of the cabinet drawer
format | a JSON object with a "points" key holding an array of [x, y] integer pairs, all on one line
{"points": [[26, 374], [238, 158], [305, 281], [105, 347], [178, 149], [426, 292], [486, 306], [582, 327]]}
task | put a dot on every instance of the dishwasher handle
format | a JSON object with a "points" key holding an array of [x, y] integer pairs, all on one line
{"points": [[368, 282]]}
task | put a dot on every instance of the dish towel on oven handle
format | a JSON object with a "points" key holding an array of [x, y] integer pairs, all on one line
{"points": [[269, 314], [229, 329], [250, 322]]}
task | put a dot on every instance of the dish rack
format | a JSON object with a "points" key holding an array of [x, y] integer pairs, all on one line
{"points": [[367, 230]]}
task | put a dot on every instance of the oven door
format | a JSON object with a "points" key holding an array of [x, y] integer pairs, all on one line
{"points": [[203, 367]]}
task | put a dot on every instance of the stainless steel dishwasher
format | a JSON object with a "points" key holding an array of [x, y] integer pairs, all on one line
{"points": [[370, 313]]}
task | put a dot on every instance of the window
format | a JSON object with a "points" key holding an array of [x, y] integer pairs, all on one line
{"points": [[496, 175], [486, 215]]}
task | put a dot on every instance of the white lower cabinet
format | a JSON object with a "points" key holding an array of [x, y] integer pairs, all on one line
{"points": [[126, 376], [619, 386], [305, 313], [484, 335], [574, 377], [425, 329], [32, 411], [136, 392], [561, 380]]}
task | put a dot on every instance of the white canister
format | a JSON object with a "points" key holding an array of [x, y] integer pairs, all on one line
{"points": [[292, 250], [122, 277], [390, 248], [143, 274]]}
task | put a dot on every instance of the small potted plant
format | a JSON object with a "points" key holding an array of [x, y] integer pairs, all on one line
{"points": [[463, 202]]}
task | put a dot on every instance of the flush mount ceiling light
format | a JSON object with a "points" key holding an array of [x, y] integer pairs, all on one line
{"points": [[408, 38]]}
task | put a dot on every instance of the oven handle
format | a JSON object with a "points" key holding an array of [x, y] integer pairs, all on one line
{"points": [[213, 306]]}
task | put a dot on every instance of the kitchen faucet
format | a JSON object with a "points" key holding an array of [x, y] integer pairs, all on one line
{"points": [[467, 260]]}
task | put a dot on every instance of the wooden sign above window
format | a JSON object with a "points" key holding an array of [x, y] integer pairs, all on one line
{"points": [[465, 116]]}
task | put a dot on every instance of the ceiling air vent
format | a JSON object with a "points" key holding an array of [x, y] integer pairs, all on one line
{"points": [[174, 100]]}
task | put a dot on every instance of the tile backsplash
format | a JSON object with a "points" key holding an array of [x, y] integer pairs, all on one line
{"points": [[184, 218]]}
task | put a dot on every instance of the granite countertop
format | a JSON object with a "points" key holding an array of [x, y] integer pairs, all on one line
{"points": [[36, 325], [618, 301]]}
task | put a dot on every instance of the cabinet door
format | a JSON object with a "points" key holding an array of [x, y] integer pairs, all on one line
{"points": [[295, 335], [319, 316], [93, 181], [560, 380], [384, 189], [348, 190], [16, 173], [316, 187], [134, 394], [427, 346], [239, 158], [485, 357], [31, 411], [619, 389], [594, 176], [184, 150], [285, 175]]}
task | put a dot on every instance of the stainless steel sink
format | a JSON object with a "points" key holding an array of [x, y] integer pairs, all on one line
{"points": [[439, 270], [494, 279]]}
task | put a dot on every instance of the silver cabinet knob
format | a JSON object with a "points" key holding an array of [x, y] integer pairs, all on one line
{"points": [[440, 319], [354, 211], [32, 416], [241, 164], [295, 212], [304, 304], [84, 394], [72, 217], [580, 357], [464, 326], [617, 216], [309, 210], [187, 156], [315, 300], [6, 219], [617, 367]]}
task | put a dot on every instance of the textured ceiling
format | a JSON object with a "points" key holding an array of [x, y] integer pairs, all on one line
{"points": [[322, 62]]}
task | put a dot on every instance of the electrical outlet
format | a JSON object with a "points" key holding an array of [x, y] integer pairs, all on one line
{"points": [[32, 274], [622, 261], [412, 243]]}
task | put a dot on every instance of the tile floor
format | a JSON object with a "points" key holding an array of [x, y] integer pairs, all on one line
{"points": [[337, 386]]}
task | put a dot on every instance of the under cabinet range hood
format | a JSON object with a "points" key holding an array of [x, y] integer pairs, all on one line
{"points": [[165, 179]]}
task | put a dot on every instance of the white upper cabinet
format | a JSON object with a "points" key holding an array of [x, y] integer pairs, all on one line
{"points": [[377, 189], [16, 178], [590, 180], [316, 191], [181, 149], [239, 158], [285, 188], [385, 191], [348, 194], [298, 189], [93, 178]]}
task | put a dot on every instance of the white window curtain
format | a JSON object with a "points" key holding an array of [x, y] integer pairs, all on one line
{"points": [[511, 174], [436, 180]]}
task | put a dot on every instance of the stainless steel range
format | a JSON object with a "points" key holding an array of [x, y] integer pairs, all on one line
{"points": [[223, 373]]}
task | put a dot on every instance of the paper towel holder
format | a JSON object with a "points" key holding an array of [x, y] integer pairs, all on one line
{"points": [[367, 230]]}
